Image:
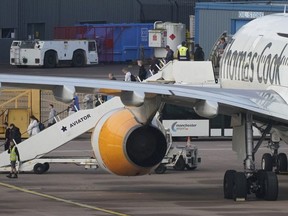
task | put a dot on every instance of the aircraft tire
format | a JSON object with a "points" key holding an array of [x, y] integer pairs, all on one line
{"points": [[228, 184], [160, 169], [267, 162], [240, 186], [282, 162], [39, 168], [260, 193], [270, 185]]}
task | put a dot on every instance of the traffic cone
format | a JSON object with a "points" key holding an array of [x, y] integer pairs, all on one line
{"points": [[188, 144]]}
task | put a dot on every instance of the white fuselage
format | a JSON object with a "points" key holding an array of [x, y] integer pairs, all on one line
{"points": [[257, 55]]}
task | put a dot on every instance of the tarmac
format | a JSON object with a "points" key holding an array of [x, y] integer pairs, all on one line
{"points": [[99, 71], [67, 189]]}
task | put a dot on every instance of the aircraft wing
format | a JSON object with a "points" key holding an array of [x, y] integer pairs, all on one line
{"points": [[263, 104]]}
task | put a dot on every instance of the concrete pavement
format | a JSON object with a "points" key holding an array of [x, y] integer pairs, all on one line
{"points": [[72, 190]]}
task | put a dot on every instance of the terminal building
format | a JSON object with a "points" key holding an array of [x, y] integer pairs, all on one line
{"points": [[37, 19], [212, 19]]}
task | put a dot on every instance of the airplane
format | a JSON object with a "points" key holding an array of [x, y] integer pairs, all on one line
{"points": [[252, 89]]}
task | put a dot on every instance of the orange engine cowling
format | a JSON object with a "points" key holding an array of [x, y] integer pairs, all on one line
{"points": [[125, 147]]}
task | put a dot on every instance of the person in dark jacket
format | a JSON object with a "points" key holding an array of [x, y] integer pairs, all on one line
{"points": [[155, 65], [169, 55], [198, 54], [15, 133], [111, 76], [142, 71]]}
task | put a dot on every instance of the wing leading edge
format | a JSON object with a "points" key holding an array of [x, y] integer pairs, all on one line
{"points": [[266, 104]]}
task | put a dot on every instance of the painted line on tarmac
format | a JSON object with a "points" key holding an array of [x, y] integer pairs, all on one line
{"points": [[227, 149], [61, 200], [63, 151]]}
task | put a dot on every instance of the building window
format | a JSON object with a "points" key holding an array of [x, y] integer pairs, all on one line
{"points": [[7, 33]]}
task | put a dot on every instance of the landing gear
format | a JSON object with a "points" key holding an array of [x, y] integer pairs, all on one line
{"points": [[267, 187], [228, 184], [274, 160], [282, 162], [263, 183], [267, 162], [237, 185]]}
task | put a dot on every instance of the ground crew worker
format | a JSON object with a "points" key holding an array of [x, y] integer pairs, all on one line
{"points": [[14, 156], [183, 52]]}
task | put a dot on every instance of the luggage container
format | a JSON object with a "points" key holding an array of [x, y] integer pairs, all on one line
{"points": [[116, 42]]}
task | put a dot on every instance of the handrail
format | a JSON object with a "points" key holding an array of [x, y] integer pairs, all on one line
{"points": [[57, 118], [3, 112], [14, 98]]}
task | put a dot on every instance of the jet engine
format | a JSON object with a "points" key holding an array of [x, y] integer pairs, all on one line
{"points": [[125, 147]]}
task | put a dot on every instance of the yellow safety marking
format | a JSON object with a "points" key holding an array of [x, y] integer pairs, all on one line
{"points": [[61, 200]]}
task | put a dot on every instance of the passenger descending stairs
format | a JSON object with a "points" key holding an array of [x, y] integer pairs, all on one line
{"points": [[60, 133]]}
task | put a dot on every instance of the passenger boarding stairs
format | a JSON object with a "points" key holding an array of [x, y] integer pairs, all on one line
{"points": [[60, 133]]}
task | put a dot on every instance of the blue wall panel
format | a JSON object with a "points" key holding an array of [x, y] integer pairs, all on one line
{"points": [[121, 42]]}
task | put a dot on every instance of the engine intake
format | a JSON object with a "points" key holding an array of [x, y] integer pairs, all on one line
{"points": [[145, 146], [125, 147]]}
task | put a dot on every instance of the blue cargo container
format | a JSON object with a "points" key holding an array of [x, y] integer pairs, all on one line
{"points": [[121, 42]]}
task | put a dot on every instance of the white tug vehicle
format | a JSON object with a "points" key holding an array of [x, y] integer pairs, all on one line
{"points": [[49, 54]]}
